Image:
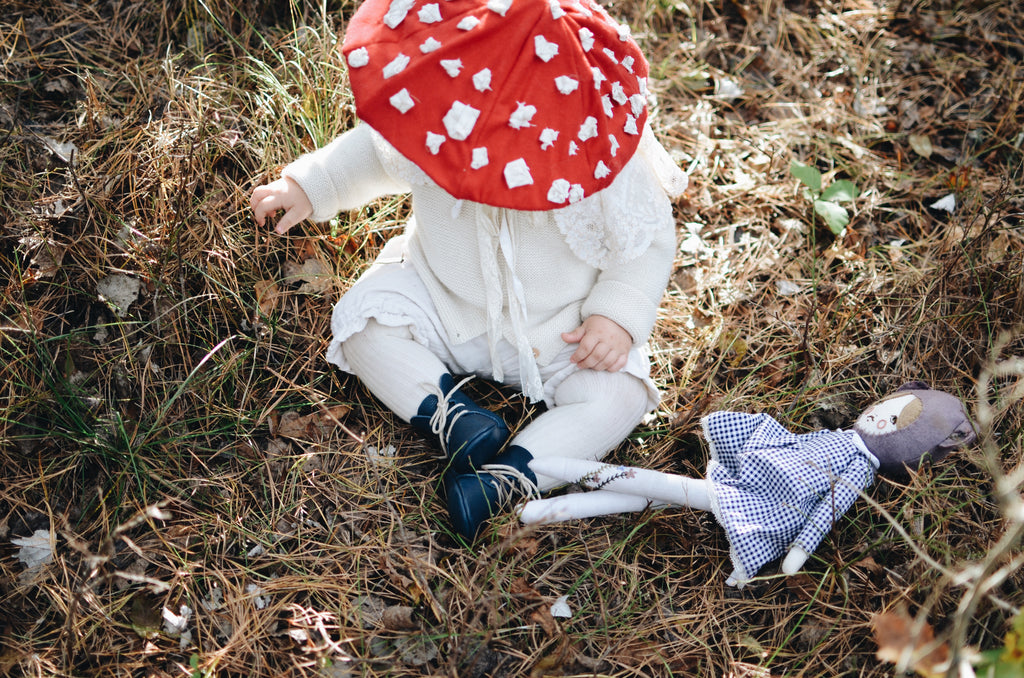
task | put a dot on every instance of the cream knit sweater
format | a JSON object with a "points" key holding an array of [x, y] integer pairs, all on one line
{"points": [[461, 250]]}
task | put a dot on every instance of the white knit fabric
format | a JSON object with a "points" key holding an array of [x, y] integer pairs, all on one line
{"points": [[609, 255]]}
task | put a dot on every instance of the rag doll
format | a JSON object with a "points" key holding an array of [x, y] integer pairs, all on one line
{"points": [[774, 492]]}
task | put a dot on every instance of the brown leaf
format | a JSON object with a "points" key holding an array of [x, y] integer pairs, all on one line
{"points": [[520, 587], [305, 249], [400, 618], [315, 276], [900, 640], [294, 425], [330, 418], [527, 547], [552, 663], [267, 295], [871, 565], [543, 618], [803, 586]]}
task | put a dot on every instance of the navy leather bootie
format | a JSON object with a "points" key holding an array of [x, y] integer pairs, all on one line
{"points": [[470, 435], [474, 498]]}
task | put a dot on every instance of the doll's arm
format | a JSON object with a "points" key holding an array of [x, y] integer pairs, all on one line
{"points": [[845, 490], [582, 505]]}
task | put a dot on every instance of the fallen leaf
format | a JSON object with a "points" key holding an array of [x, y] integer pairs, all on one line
{"points": [[381, 456], [259, 598], [551, 664], [267, 295], [294, 425], [803, 586], [367, 611], [176, 624], [527, 547], [520, 587], [145, 616], [316, 278], [400, 618], [119, 292], [62, 85], [922, 145], [544, 619], [871, 565], [47, 256], [305, 249], [560, 608], [903, 642], [416, 650], [946, 203], [63, 150], [35, 551], [788, 288]]}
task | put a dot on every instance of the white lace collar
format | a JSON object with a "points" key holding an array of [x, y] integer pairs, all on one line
{"points": [[611, 227]]}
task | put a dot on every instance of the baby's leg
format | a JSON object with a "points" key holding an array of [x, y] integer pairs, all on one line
{"points": [[593, 413], [414, 384], [396, 369]]}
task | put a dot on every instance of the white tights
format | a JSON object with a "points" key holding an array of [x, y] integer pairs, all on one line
{"points": [[593, 411], [395, 368]]}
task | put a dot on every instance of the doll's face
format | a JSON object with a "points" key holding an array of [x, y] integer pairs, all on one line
{"points": [[887, 416]]}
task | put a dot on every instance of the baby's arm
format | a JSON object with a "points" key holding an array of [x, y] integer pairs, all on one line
{"points": [[629, 293], [344, 174], [603, 344]]}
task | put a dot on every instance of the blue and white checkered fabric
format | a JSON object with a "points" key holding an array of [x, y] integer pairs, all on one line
{"points": [[773, 489]]}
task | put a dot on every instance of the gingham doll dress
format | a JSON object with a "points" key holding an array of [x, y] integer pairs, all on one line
{"points": [[772, 489]]}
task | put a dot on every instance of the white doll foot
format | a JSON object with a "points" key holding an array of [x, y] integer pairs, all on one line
{"points": [[582, 505], [795, 560], [735, 581]]}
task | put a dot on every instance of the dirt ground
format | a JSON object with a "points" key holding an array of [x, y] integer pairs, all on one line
{"points": [[190, 490]]}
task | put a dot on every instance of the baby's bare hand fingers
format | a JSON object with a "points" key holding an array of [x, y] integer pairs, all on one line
{"points": [[266, 206], [620, 363], [290, 218], [597, 358]]}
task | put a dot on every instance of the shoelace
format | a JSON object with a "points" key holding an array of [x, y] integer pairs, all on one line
{"points": [[511, 483], [446, 414]]}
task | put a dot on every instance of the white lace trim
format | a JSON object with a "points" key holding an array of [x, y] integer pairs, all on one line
{"points": [[611, 227], [618, 224]]}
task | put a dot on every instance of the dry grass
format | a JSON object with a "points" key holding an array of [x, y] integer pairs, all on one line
{"points": [[194, 448]]}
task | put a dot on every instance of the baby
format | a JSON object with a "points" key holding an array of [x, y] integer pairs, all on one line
{"points": [[542, 235]]}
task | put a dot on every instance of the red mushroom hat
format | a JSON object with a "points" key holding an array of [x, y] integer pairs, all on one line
{"points": [[525, 104]]}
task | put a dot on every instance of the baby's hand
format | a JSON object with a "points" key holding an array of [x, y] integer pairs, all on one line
{"points": [[603, 344], [283, 194]]}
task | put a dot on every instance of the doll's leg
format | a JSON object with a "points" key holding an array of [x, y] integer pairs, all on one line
{"points": [[582, 505], [414, 384], [651, 485]]}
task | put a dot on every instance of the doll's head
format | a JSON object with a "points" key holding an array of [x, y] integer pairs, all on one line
{"points": [[911, 424]]}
